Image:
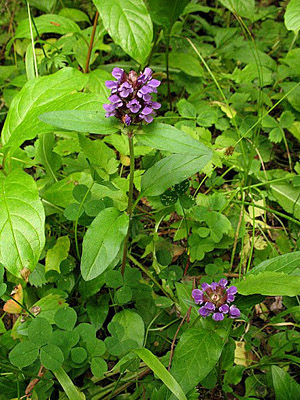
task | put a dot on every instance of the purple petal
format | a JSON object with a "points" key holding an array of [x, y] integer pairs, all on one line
{"points": [[154, 83], [205, 286], [147, 111], [147, 98], [231, 290], [117, 73], [134, 106], [218, 316], [234, 312], [204, 312], [214, 285], [113, 85], [147, 118], [125, 89], [209, 306], [109, 107], [223, 282], [127, 120], [147, 73], [224, 308], [196, 293], [155, 105], [116, 100], [230, 298]]}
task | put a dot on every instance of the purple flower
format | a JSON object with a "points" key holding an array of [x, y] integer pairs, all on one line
{"points": [[218, 316], [116, 100], [134, 106], [112, 85], [125, 89], [117, 73], [131, 100], [216, 298], [234, 312], [127, 120], [110, 110]]}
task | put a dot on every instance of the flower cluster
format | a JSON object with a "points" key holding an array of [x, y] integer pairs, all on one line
{"points": [[130, 99], [216, 298]]}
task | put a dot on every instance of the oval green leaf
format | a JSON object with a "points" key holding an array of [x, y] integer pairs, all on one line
{"points": [[102, 242], [22, 220], [23, 354], [171, 170], [51, 357], [129, 24], [292, 16]]}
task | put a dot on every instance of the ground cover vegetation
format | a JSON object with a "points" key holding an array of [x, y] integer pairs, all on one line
{"points": [[149, 199]]}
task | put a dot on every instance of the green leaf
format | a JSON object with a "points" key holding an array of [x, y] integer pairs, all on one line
{"points": [[186, 63], [74, 14], [129, 24], [44, 5], [196, 354], [166, 13], [82, 121], [127, 330], [45, 155], [286, 388], [51, 357], [57, 254], [49, 23], [65, 318], [98, 366], [22, 218], [78, 355], [288, 197], [68, 386], [49, 305], [269, 283], [44, 94], [153, 362], [166, 137], [292, 16], [102, 242], [244, 8], [39, 331], [171, 170], [286, 263], [23, 354]]}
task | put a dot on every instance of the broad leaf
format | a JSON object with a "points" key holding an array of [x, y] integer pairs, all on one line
{"points": [[171, 170], [57, 254], [49, 23], [288, 197], [166, 137], [160, 371], [43, 94], [286, 388], [244, 8], [127, 333], [269, 283], [22, 220], [45, 155], [82, 121], [292, 16], [51, 357], [129, 24], [196, 354], [23, 354], [286, 263], [166, 12], [102, 242]]}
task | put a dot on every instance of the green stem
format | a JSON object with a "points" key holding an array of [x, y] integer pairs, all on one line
{"points": [[167, 68], [150, 276], [130, 198]]}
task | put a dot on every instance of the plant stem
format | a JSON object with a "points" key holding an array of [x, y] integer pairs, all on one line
{"points": [[130, 198], [86, 69]]}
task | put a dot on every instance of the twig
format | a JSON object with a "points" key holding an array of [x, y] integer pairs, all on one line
{"points": [[35, 381], [174, 339], [86, 69]]}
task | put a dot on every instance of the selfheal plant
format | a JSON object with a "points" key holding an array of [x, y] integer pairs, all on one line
{"points": [[216, 298], [130, 99]]}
